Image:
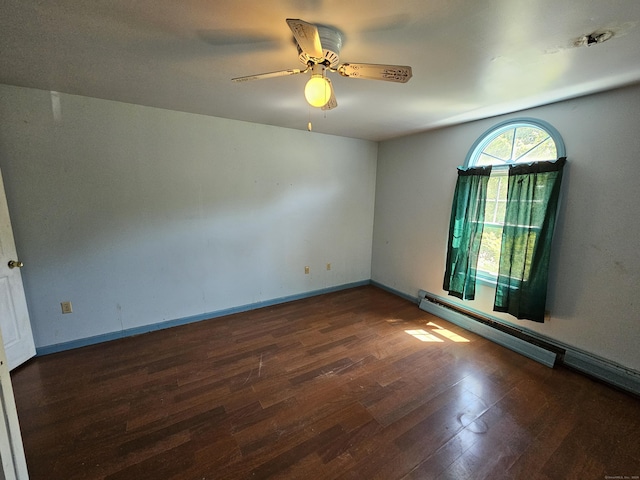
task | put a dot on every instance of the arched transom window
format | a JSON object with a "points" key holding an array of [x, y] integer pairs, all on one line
{"points": [[510, 142]]}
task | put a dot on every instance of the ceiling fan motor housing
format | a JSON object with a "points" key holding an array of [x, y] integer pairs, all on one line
{"points": [[331, 41]]}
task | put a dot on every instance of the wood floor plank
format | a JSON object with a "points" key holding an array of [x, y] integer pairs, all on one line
{"points": [[350, 385]]}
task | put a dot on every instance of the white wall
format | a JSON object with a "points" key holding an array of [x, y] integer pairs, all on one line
{"points": [[140, 215], [594, 290]]}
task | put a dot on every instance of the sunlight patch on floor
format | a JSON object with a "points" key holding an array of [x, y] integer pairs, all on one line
{"points": [[435, 334], [454, 337], [423, 335]]}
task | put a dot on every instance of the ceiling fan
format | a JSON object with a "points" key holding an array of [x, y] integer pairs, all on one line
{"points": [[319, 49]]}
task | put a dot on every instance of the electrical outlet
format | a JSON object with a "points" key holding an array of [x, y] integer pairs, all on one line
{"points": [[306, 270], [328, 266], [66, 307]]}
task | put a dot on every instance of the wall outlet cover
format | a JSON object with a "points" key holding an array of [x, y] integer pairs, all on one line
{"points": [[66, 307]]}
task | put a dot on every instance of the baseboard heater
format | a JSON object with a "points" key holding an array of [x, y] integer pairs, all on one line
{"points": [[497, 332], [547, 352]]}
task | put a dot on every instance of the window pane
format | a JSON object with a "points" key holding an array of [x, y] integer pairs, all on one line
{"points": [[501, 210], [528, 139], [500, 147], [484, 160], [545, 151], [489, 211], [492, 187], [489, 258]]}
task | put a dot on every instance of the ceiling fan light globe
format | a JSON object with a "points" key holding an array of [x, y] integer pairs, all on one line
{"points": [[317, 91]]}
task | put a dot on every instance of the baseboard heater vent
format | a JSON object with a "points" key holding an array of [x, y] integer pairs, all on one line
{"points": [[502, 334]]}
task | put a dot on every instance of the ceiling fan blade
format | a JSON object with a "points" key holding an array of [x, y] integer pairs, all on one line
{"points": [[388, 73], [332, 103], [306, 34], [261, 76]]}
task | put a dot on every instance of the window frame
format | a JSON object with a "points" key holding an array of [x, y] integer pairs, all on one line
{"points": [[501, 169]]}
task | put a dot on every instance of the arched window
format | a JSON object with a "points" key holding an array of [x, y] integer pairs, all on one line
{"points": [[516, 141], [512, 142]]}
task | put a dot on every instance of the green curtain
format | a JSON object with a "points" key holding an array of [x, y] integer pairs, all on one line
{"points": [[465, 231], [532, 203]]}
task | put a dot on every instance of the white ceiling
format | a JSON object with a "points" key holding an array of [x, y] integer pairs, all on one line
{"points": [[471, 58]]}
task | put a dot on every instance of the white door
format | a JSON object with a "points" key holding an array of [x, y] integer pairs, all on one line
{"points": [[14, 317], [18, 347], [14, 464]]}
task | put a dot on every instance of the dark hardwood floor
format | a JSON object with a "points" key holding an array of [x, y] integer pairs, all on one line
{"points": [[328, 387]]}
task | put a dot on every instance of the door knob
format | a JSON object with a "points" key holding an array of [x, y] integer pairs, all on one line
{"points": [[15, 264]]}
